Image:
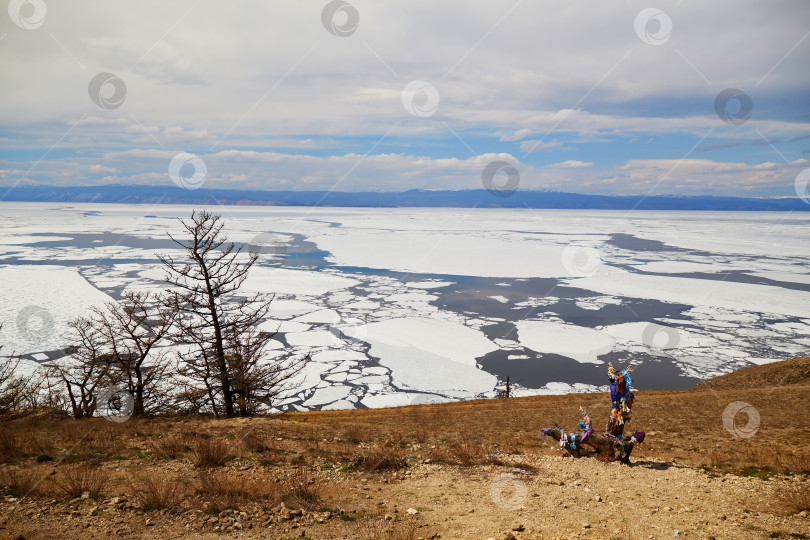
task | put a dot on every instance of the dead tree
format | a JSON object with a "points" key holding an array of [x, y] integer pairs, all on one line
{"points": [[610, 445], [130, 332], [12, 384], [257, 379], [602, 446], [13, 387], [197, 378], [85, 369], [211, 314]]}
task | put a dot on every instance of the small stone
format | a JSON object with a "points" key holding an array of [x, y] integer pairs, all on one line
{"points": [[586, 525], [85, 495], [519, 528], [597, 499], [412, 511]]}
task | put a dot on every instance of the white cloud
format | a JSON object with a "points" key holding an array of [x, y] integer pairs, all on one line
{"points": [[397, 172], [214, 77], [517, 135], [572, 164], [542, 146]]}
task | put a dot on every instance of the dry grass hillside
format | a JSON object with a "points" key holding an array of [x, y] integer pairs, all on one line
{"points": [[476, 469]]}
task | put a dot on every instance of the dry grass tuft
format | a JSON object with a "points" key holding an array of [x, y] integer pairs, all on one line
{"points": [[74, 480], [466, 451], [19, 483], [171, 446], [378, 461], [154, 490], [255, 442], [380, 529], [302, 490], [793, 499], [211, 452], [220, 490]]}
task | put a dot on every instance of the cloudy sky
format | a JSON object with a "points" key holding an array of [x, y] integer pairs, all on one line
{"points": [[614, 96]]}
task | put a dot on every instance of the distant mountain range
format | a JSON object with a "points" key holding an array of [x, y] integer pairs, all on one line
{"points": [[414, 198]]}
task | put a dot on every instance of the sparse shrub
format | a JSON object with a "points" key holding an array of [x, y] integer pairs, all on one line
{"points": [[255, 442], [155, 490], [73, 480], [302, 490], [379, 461], [221, 490], [19, 483], [211, 452], [466, 451], [379, 529], [793, 499], [171, 446], [9, 444]]}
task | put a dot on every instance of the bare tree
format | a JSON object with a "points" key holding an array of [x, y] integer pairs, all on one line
{"points": [[13, 387], [130, 332], [85, 368], [214, 318], [257, 379], [198, 382]]}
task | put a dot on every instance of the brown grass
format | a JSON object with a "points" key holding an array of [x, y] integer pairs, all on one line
{"points": [[209, 452], [793, 499], [74, 480], [20, 483], [379, 529], [683, 426], [171, 446], [155, 490], [220, 490], [379, 460], [302, 490], [255, 441]]}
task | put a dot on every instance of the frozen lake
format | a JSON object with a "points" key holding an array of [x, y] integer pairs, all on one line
{"points": [[411, 305]]}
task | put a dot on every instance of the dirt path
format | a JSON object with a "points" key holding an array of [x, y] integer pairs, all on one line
{"points": [[565, 498]]}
